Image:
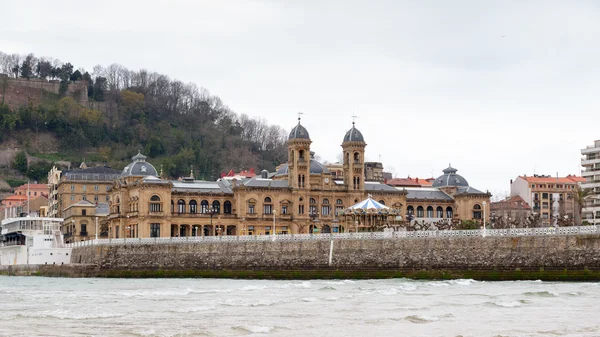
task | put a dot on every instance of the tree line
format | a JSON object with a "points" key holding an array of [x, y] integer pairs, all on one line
{"points": [[179, 125]]}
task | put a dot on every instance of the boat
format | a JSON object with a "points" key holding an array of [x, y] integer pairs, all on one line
{"points": [[33, 240]]}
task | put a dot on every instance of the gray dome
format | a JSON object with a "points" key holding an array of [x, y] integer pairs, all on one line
{"points": [[315, 167], [298, 132], [450, 178], [139, 167], [353, 135]]}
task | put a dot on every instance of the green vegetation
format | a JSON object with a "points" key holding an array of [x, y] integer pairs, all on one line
{"points": [[15, 182], [177, 125]]}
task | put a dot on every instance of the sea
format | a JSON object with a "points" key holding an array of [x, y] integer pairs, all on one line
{"points": [[39, 306]]}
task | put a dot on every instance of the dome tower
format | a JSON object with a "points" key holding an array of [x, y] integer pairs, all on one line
{"points": [[299, 157], [353, 148]]}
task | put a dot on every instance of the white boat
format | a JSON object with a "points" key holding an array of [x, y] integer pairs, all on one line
{"points": [[33, 240]]}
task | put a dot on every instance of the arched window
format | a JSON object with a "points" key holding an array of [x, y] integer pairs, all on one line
{"points": [[420, 212], [301, 155], [449, 212], [193, 206], [227, 207], [325, 208], [477, 211], [267, 206], [356, 157], [172, 207], [339, 202], [180, 206], [347, 158], [155, 205], [312, 201], [439, 212], [382, 202], [216, 206], [203, 206], [429, 212]]}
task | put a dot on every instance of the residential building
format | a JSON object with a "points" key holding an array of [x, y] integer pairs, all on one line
{"points": [[82, 219], [550, 197], [591, 173], [374, 171], [302, 196], [511, 210], [34, 190], [72, 186]]}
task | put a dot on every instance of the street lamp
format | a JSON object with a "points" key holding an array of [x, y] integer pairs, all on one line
{"points": [[274, 229], [96, 228], [484, 203]]}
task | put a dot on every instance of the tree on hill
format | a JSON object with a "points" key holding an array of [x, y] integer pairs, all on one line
{"points": [[20, 162]]}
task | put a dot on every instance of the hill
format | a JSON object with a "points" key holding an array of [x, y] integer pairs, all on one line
{"points": [[179, 126]]}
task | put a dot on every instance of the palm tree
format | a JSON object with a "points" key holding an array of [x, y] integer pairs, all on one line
{"points": [[579, 197]]}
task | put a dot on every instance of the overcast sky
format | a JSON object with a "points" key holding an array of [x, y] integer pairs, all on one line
{"points": [[497, 88]]}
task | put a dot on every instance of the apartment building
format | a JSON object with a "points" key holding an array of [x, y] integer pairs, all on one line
{"points": [[548, 196], [591, 174]]}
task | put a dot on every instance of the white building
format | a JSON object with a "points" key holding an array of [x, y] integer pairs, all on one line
{"points": [[591, 173]]}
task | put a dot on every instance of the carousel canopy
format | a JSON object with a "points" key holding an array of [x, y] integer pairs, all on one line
{"points": [[368, 204]]}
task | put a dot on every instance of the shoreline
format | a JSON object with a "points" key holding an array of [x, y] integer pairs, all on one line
{"points": [[90, 271]]}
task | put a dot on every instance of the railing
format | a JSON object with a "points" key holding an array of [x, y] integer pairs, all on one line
{"points": [[514, 232]]}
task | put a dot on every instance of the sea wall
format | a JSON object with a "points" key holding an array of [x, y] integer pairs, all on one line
{"points": [[539, 257]]}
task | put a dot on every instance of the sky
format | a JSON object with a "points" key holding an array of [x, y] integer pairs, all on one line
{"points": [[496, 88]]}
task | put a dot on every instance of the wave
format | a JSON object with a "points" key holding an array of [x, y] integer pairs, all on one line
{"points": [[462, 282], [541, 293], [303, 285], [190, 310], [254, 329], [507, 304], [327, 288], [422, 319], [309, 299], [64, 314]]}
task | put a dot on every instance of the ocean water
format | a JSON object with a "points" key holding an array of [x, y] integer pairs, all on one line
{"points": [[35, 306]]}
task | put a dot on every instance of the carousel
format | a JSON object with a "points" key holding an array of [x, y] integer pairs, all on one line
{"points": [[370, 216]]}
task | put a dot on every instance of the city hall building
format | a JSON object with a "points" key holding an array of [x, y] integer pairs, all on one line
{"points": [[302, 196]]}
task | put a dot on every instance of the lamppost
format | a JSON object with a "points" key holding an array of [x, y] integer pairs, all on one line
{"points": [[211, 212], [484, 203], [274, 229], [96, 228]]}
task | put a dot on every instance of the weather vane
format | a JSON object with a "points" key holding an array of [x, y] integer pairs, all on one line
{"points": [[300, 115], [354, 117]]}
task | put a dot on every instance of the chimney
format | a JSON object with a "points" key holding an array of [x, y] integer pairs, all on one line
{"points": [[417, 179]]}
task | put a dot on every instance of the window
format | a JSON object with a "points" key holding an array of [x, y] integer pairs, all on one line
{"points": [[72, 187], [545, 216], [96, 187], [34, 193], [96, 198], [410, 210], [536, 196], [72, 197], [83, 187], [107, 198], [155, 205], [338, 209], [544, 205], [193, 206], [312, 210], [203, 206], [439, 212], [312, 201], [107, 188], [382, 202], [154, 230], [449, 212], [251, 208], [227, 207], [429, 212], [420, 212], [544, 195], [325, 201], [83, 212], [267, 206], [300, 209], [339, 202], [84, 198], [284, 209], [83, 228], [216, 206], [180, 206], [477, 211], [325, 210]]}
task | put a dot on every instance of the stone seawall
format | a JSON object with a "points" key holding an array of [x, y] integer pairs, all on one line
{"points": [[538, 257]]}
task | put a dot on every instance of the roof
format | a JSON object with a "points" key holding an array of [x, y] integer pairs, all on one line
{"points": [[201, 186], [353, 135], [450, 178], [427, 193], [315, 167], [82, 203], [244, 173], [268, 183], [410, 182], [468, 190], [514, 202], [16, 198], [99, 173], [139, 167], [570, 179], [299, 132], [378, 187], [32, 186]]}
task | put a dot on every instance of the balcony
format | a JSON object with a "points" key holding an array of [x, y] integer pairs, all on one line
{"points": [[586, 162], [156, 213], [590, 149]]}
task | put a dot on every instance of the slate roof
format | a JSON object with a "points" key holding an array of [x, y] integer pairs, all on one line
{"points": [[315, 167], [427, 193], [139, 167], [377, 187], [353, 135], [200, 186], [261, 182], [299, 132], [450, 178], [98, 173], [468, 190]]}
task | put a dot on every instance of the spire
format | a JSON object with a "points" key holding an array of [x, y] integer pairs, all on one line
{"points": [[161, 172]]}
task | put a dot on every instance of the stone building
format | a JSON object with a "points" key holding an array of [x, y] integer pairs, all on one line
{"points": [[591, 174], [72, 186], [302, 196], [82, 220]]}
